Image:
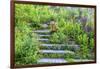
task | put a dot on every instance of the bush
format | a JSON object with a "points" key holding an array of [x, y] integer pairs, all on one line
{"points": [[26, 45]]}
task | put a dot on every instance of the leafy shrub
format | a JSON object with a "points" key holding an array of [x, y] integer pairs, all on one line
{"points": [[26, 45]]}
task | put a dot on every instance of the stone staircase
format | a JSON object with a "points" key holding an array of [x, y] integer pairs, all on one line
{"points": [[44, 35]]}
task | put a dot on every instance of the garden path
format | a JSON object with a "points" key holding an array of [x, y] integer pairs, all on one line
{"points": [[44, 35]]}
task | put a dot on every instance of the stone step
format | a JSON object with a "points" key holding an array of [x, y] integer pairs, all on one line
{"points": [[44, 25], [61, 60], [42, 31], [60, 47], [42, 35], [43, 39], [56, 51], [51, 45], [52, 60]]}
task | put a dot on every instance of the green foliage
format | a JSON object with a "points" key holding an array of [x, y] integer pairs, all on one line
{"points": [[54, 55], [26, 45], [83, 41], [58, 37], [91, 44]]}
